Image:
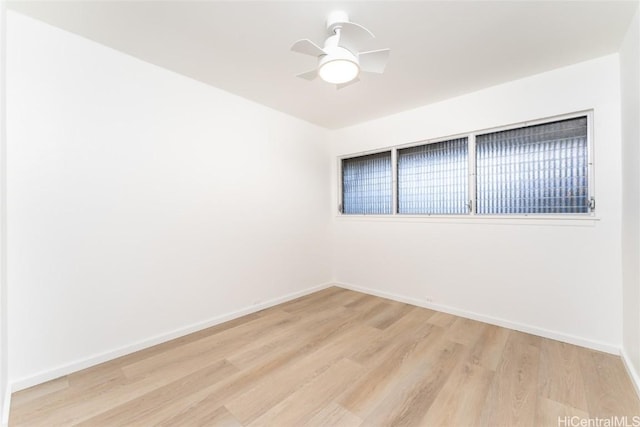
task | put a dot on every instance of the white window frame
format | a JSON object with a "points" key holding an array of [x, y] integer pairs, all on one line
{"points": [[471, 138]]}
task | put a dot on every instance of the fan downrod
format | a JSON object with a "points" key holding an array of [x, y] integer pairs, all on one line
{"points": [[335, 20]]}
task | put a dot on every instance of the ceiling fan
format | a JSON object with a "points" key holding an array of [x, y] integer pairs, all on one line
{"points": [[340, 60]]}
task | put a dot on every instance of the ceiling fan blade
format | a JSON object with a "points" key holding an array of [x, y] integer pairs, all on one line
{"points": [[374, 61], [353, 36], [343, 85], [309, 75], [307, 47]]}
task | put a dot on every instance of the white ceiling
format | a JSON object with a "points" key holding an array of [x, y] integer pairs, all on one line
{"points": [[439, 49]]}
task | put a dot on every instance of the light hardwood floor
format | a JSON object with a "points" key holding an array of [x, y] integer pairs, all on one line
{"points": [[340, 358]]}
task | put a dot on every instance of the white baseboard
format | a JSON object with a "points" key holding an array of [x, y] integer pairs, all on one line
{"points": [[6, 406], [558, 336], [633, 374], [78, 365]]}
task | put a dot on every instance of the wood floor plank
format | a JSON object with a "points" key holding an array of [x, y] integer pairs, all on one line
{"points": [[333, 415], [413, 395], [339, 358], [390, 315], [304, 357], [43, 390], [204, 413], [256, 401], [370, 390], [90, 376], [361, 300], [280, 340], [220, 344], [412, 326], [80, 401], [462, 398], [488, 350], [466, 331], [511, 400], [308, 401], [560, 375], [444, 320], [553, 414], [161, 396], [307, 339], [330, 297], [608, 389]]}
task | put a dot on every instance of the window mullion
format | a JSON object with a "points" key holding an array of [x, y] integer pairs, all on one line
{"points": [[394, 180], [340, 189], [472, 174], [591, 182]]}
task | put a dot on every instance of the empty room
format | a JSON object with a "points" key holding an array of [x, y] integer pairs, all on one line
{"points": [[317, 213]]}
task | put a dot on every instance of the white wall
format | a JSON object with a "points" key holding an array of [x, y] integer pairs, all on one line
{"points": [[4, 393], [559, 279], [142, 203], [630, 96]]}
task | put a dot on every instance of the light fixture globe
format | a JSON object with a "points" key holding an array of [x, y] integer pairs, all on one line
{"points": [[338, 71], [342, 57], [339, 66]]}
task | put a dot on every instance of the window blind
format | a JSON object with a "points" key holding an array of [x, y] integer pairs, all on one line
{"points": [[534, 169], [367, 184], [434, 178]]}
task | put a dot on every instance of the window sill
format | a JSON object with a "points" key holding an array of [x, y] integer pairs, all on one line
{"points": [[533, 219]]}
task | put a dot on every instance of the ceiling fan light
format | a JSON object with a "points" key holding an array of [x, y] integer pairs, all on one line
{"points": [[338, 71]]}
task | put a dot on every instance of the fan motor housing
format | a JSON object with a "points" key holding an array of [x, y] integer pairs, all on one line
{"points": [[335, 19], [337, 53]]}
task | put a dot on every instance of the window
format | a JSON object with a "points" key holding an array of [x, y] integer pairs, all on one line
{"points": [[534, 169], [541, 168], [434, 178], [367, 184]]}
